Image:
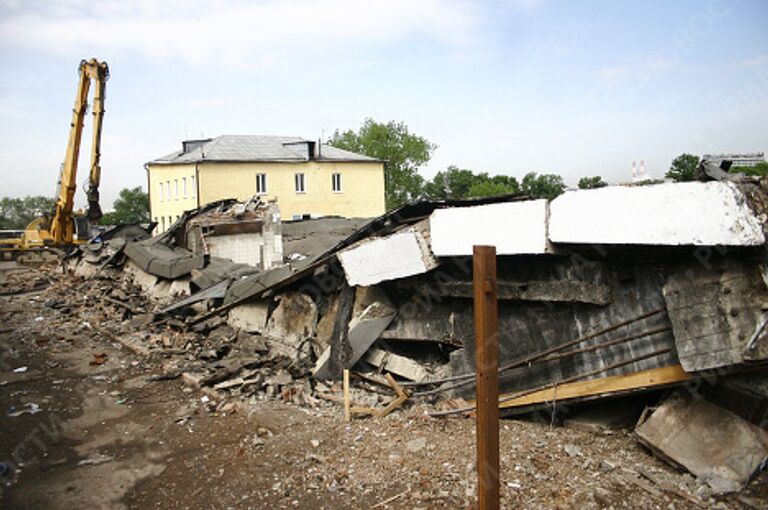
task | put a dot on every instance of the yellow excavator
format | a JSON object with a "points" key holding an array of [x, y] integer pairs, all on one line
{"points": [[64, 228]]}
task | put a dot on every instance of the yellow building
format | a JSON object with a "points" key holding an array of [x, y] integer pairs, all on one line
{"points": [[306, 179]]}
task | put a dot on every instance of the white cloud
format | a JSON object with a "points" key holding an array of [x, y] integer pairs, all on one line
{"points": [[754, 62], [635, 71], [228, 32]]}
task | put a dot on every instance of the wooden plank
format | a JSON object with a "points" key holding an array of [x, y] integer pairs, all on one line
{"points": [[487, 368], [611, 384], [347, 413]]}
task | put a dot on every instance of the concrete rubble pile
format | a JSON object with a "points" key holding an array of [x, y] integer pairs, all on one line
{"points": [[624, 290]]}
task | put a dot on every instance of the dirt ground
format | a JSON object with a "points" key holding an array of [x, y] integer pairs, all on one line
{"points": [[78, 431]]}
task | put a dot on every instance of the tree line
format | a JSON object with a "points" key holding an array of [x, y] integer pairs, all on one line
{"points": [[403, 154], [131, 206]]}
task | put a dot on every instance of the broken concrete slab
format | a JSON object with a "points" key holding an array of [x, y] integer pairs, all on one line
{"points": [[216, 291], [292, 322], [218, 270], [364, 330], [717, 310], [549, 291], [397, 364], [140, 277], [514, 228], [405, 253], [715, 445], [161, 260], [672, 214], [250, 317]]}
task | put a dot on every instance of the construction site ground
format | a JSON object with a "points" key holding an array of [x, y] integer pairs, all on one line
{"points": [[85, 431]]}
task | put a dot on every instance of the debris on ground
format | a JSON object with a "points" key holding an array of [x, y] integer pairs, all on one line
{"points": [[587, 316]]}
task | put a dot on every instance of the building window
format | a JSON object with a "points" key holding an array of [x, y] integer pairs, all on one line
{"points": [[336, 183], [160, 194], [162, 223], [299, 181], [261, 184], [184, 186], [194, 188], [168, 190], [176, 185]]}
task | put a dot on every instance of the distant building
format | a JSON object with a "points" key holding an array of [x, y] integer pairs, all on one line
{"points": [[304, 177], [751, 159]]}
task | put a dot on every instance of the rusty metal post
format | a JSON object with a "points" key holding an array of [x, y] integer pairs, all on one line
{"points": [[487, 367]]}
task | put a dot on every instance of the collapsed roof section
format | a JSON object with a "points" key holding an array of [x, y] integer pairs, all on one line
{"points": [[565, 317]]}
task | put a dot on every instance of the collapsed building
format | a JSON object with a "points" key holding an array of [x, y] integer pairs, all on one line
{"points": [[602, 293]]}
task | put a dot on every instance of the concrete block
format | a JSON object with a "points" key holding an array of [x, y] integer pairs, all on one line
{"points": [[398, 365], [717, 446], [514, 228], [405, 253], [250, 317], [673, 214]]}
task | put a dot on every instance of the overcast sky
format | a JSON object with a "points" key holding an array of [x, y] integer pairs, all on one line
{"points": [[507, 87]]}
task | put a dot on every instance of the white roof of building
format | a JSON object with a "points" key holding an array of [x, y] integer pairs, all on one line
{"points": [[241, 148]]}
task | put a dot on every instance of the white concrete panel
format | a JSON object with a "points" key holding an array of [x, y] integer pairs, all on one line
{"points": [[402, 254], [691, 213], [240, 248], [514, 228]]}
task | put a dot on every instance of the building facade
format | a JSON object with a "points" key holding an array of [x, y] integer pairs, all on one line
{"points": [[305, 178], [749, 160]]}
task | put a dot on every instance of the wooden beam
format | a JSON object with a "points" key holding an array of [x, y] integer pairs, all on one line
{"points": [[340, 349], [487, 367], [603, 385], [347, 413]]}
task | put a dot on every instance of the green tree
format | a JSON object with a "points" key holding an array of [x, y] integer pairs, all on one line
{"points": [[402, 151], [17, 213], [453, 183], [462, 183], [490, 188], [131, 206], [759, 170], [683, 168], [592, 182], [542, 186]]}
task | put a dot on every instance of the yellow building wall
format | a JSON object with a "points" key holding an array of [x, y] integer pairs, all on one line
{"points": [[361, 196], [167, 205]]}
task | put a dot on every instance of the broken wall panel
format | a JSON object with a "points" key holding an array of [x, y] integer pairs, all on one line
{"points": [[716, 312], [673, 214], [528, 328], [514, 228], [405, 253]]}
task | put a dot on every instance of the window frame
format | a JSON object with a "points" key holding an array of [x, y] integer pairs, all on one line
{"points": [[334, 177], [300, 183], [261, 178]]}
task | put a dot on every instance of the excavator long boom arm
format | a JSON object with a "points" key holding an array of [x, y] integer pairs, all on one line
{"points": [[62, 226]]}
